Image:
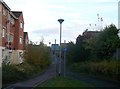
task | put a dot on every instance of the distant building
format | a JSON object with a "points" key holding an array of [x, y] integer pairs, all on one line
{"points": [[25, 40], [90, 34], [89, 37], [119, 15]]}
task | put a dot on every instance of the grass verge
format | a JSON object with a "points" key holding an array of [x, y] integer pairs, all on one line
{"points": [[63, 82]]}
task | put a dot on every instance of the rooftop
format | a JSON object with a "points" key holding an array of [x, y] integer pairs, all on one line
{"points": [[17, 13]]}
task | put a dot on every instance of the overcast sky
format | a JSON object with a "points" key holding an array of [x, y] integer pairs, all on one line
{"points": [[41, 17]]}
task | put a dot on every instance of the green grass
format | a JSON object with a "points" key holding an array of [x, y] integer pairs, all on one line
{"points": [[63, 82]]}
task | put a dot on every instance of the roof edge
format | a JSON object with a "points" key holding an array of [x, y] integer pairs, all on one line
{"points": [[5, 5]]}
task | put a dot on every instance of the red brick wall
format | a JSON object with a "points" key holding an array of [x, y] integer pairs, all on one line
{"points": [[25, 41], [4, 24], [18, 33], [21, 30], [12, 29], [15, 30]]}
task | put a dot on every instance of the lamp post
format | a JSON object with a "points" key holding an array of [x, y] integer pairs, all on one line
{"points": [[60, 21]]}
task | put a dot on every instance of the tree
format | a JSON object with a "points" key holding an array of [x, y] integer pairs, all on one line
{"points": [[70, 52], [107, 42], [81, 52], [38, 55]]}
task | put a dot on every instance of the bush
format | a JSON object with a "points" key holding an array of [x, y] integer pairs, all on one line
{"points": [[106, 68], [16, 73], [38, 55], [37, 59], [10, 74]]}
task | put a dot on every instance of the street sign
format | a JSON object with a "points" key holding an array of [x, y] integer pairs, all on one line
{"points": [[65, 49]]}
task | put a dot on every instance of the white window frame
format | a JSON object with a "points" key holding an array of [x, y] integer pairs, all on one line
{"points": [[20, 57], [21, 40], [21, 25], [4, 11], [12, 20], [0, 9], [3, 53], [3, 32]]}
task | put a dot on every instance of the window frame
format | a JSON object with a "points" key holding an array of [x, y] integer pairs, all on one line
{"points": [[11, 37], [21, 24], [21, 40], [4, 11], [3, 32]]}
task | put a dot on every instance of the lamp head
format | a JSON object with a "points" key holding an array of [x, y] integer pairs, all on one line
{"points": [[60, 20]]}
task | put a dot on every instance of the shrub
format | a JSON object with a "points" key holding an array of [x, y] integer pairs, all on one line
{"points": [[38, 55], [15, 73], [106, 68], [37, 58], [10, 74]]}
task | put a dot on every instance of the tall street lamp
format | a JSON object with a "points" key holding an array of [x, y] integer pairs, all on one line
{"points": [[60, 21]]}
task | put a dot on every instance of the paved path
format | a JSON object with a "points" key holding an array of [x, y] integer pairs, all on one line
{"points": [[29, 84]]}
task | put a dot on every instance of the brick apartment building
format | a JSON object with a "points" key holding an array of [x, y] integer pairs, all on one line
{"points": [[25, 40], [12, 34]]}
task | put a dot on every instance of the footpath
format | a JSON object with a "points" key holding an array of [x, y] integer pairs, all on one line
{"points": [[30, 84]]}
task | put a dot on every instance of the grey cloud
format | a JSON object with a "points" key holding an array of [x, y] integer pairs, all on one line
{"points": [[46, 32]]}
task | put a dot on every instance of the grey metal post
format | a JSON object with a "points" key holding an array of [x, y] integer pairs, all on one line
{"points": [[60, 21]]}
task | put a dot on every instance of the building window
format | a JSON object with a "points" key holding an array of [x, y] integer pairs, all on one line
{"points": [[21, 25], [9, 16], [12, 20], [2, 53], [20, 57], [27, 42], [4, 11], [10, 38], [20, 40], [0, 9], [3, 33]]}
